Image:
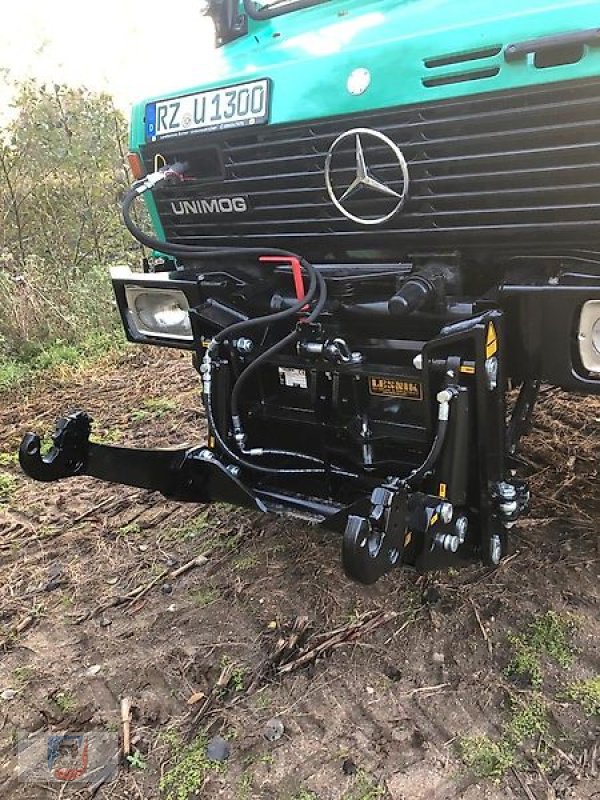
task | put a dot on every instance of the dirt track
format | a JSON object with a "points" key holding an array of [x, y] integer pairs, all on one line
{"points": [[388, 706]]}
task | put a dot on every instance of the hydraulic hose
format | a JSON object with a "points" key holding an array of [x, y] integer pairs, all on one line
{"points": [[175, 172], [172, 249], [242, 327], [268, 354], [242, 462], [444, 399], [316, 282]]}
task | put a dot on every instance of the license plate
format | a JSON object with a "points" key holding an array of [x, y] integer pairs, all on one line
{"points": [[230, 107]]}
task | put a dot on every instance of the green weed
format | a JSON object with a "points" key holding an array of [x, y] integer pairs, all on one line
{"points": [[152, 409], [484, 757], [490, 759], [9, 459], [246, 562], [262, 700], [23, 675], [205, 597], [587, 694], [8, 484], [548, 635], [238, 673], [190, 529], [136, 760], [65, 701], [107, 436], [238, 679], [131, 529], [245, 787], [67, 601], [27, 366], [190, 770], [365, 788], [527, 721]]}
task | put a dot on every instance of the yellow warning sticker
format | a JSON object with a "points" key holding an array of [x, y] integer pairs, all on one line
{"points": [[443, 490], [394, 387], [491, 344]]}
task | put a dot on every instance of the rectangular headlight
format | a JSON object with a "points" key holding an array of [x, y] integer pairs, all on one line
{"points": [[589, 337], [159, 313]]}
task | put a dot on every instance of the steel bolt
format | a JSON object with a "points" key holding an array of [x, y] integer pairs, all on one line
{"points": [[495, 549], [491, 370], [446, 512], [461, 526]]}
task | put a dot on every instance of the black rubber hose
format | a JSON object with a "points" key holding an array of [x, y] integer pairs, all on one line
{"points": [[315, 281], [268, 354], [241, 327], [284, 453], [256, 467], [171, 249], [432, 457], [202, 252]]}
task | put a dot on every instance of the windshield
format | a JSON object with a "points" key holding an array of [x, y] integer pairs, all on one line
{"points": [[265, 9]]}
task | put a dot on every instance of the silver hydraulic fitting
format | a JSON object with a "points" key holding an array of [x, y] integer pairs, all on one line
{"points": [[206, 373], [244, 345]]}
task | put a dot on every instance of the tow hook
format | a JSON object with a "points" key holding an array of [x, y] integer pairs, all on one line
{"points": [[373, 545], [68, 454]]}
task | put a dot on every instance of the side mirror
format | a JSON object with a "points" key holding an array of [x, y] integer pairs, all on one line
{"points": [[229, 23]]}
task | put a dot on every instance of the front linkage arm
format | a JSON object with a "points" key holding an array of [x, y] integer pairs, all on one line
{"points": [[182, 474]]}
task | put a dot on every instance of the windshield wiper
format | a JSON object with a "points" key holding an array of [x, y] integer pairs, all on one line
{"points": [[277, 8]]}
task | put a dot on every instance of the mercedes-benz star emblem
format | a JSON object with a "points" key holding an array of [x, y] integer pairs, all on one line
{"points": [[364, 180]]}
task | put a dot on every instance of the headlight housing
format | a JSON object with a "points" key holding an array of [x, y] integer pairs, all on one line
{"points": [[159, 313], [589, 337]]}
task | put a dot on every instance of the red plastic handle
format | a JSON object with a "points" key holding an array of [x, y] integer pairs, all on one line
{"points": [[296, 272]]}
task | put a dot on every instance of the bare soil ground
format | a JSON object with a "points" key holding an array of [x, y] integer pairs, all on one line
{"points": [[405, 670]]}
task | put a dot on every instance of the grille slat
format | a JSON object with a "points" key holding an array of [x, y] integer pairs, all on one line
{"points": [[482, 169]]}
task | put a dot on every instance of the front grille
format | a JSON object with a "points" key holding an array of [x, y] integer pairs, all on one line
{"points": [[511, 169]]}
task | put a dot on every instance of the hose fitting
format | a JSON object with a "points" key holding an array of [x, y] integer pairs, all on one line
{"points": [[206, 373], [172, 173]]}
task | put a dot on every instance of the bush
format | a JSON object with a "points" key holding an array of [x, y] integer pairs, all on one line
{"points": [[62, 172]]}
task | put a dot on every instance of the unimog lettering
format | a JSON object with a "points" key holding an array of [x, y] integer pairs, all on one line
{"points": [[210, 205]]}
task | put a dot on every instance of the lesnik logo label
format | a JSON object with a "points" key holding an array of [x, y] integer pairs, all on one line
{"points": [[76, 758]]}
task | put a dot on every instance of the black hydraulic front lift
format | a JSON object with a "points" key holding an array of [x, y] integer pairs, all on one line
{"points": [[193, 474], [456, 505]]}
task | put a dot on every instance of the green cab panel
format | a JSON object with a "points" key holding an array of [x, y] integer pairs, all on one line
{"points": [[415, 51]]}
